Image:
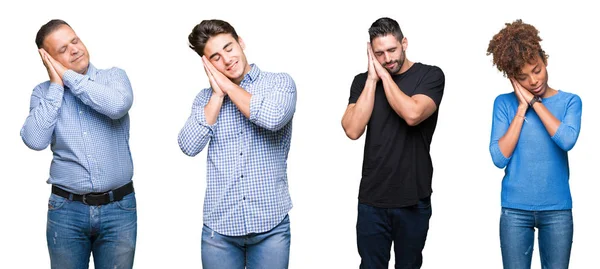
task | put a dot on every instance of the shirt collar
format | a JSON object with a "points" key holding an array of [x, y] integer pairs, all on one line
{"points": [[252, 74], [91, 72]]}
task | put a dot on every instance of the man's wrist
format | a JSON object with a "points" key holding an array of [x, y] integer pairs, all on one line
{"points": [[372, 79]]}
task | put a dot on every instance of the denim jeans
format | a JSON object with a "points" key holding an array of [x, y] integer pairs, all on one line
{"points": [[74, 230], [555, 237], [269, 250], [407, 227]]}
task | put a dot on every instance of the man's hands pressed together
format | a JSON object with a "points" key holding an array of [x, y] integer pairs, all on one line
{"points": [[55, 69]]}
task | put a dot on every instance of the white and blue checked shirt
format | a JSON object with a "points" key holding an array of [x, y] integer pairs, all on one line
{"points": [[247, 188], [87, 125]]}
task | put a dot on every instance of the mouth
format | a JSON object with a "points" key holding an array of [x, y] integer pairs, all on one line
{"points": [[78, 58], [390, 65], [538, 90], [232, 66]]}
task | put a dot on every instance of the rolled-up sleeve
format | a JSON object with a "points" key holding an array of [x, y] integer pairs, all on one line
{"points": [[196, 132], [273, 109]]}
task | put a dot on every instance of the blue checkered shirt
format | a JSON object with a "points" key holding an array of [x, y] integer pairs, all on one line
{"points": [[87, 126], [247, 187]]}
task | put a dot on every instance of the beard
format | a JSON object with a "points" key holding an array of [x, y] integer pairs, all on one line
{"points": [[399, 62]]}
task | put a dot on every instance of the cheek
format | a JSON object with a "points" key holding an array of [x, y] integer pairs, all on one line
{"points": [[65, 60], [219, 66], [545, 76], [524, 84]]}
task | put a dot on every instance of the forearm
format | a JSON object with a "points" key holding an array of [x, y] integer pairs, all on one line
{"points": [[113, 99], [550, 122], [212, 109], [405, 106], [508, 141], [357, 117], [239, 97]]}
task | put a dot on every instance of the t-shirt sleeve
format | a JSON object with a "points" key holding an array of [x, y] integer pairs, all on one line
{"points": [[358, 84], [432, 85]]}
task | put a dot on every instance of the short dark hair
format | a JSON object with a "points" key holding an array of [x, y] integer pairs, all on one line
{"points": [[207, 29], [384, 26], [47, 29]]}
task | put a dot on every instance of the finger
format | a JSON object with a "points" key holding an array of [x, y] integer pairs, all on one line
{"points": [[208, 65], [49, 60], [209, 74], [211, 67], [205, 67]]}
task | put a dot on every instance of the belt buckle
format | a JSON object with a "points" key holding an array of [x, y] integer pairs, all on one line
{"points": [[85, 196]]}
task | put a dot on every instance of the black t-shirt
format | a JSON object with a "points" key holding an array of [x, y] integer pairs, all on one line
{"points": [[397, 167]]}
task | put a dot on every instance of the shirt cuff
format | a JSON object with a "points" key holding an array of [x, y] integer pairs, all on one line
{"points": [[255, 103], [201, 119], [54, 93], [71, 79], [498, 157]]}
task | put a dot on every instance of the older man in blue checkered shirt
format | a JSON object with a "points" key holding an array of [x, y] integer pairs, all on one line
{"points": [[82, 113], [245, 117]]}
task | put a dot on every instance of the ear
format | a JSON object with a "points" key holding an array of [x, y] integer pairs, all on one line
{"points": [[404, 43], [241, 42]]}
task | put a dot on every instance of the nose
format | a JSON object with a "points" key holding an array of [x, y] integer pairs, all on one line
{"points": [[226, 59], [387, 57], [533, 80], [74, 49]]}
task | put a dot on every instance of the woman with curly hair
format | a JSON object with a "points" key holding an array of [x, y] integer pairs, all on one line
{"points": [[533, 128]]}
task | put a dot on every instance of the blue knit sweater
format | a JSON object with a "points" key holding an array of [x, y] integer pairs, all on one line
{"points": [[537, 174]]}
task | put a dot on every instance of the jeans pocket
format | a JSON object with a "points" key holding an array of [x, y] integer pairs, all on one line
{"points": [[55, 202], [128, 202]]}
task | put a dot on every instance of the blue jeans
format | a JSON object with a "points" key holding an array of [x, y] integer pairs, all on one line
{"points": [[555, 236], [407, 227], [270, 250], [74, 230]]}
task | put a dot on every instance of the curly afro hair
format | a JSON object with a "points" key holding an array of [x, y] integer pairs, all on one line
{"points": [[514, 46]]}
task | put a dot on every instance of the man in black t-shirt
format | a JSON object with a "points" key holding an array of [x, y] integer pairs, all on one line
{"points": [[398, 100]]}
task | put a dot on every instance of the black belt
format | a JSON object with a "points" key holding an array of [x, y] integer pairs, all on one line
{"points": [[96, 198]]}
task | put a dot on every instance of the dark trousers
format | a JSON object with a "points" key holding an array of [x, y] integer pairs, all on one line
{"points": [[407, 227]]}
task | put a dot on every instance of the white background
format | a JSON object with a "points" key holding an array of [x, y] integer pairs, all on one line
{"points": [[322, 46]]}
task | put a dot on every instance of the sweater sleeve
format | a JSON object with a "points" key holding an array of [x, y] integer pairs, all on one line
{"points": [[568, 131], [500, 124]]}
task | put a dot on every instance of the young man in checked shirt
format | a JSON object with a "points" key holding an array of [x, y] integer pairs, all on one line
{"points": [[245, 117], [82, 113]]}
